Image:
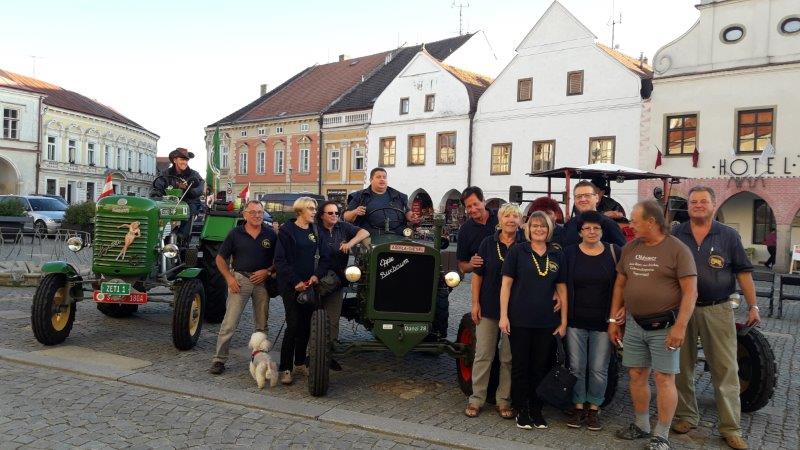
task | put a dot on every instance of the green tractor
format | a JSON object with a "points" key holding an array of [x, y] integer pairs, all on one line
{"points": [[395, 280], [136, 249]]}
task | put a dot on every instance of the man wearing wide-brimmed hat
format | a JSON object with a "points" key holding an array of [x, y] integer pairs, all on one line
{"points": [[179, 175]]}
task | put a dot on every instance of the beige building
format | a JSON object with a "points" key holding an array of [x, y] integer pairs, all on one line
{"points": [[81, 141]]}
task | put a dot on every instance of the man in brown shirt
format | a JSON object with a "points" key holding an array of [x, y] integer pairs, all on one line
{"points": [[657, 286]]}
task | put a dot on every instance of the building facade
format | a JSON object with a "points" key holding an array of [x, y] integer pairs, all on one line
{"points": [[19, 146], [420, 132], [726, 90], [563, 100], [80, 141]]}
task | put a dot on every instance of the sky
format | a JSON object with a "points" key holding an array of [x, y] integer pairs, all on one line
{"points": [[175, 66]]}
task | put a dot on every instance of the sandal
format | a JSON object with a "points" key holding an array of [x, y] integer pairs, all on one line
{"points": [[472, 410], [506, 412]]}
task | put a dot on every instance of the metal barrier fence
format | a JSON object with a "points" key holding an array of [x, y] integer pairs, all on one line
{"points": [[38, 248]]}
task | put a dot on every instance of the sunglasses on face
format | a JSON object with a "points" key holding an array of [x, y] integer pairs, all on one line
{"points": [[332, 213]]}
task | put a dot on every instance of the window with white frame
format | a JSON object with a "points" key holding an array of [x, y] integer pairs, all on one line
{"points": [[224, 156], [601, 150], [139, 162], [359, 160], [262, 131], [243, 162], [305, 160], [261, 158], [279, 158], [130, 160], [303, 127], [51, 148], [278, 130], [244, 133], [107, 156], [72, 148], [334, 159], [90, 153], [119, 158], [51, 186], [10, 123]]}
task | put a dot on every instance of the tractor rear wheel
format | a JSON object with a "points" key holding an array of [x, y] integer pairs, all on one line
{"points": [[319, 354], [51, 317], [757, 370], [213, 283], [117, 310], [187, 314]]}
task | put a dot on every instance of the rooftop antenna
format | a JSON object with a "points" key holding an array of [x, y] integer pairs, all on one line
{"points": [[613, 21], [460, 7], [34, 58]]}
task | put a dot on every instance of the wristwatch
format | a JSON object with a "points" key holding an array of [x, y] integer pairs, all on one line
{"points": [[749, 307], [611, 320]]}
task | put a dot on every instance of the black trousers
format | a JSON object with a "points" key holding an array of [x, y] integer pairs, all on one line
{"points": [[298, 329], [531, 355], [772, 251]]}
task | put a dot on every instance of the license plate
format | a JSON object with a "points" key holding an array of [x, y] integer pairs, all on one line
{"points": [[135, 298], [115, 288], [415, 328]]}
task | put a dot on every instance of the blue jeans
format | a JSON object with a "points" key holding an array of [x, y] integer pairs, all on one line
{"points": [[589, 355]]}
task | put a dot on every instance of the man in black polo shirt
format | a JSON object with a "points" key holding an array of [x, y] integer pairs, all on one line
{"points": [[481, 223], [379, 195], [586, 197], [721, 262], [252, 246]]}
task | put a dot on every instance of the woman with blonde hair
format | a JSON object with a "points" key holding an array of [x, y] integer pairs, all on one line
{"points": [[299, 269], [532, 272], [486, 281]]}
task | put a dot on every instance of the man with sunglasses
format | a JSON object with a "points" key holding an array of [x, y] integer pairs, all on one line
{"points": [[252, 246], [586, 199], [337, 238]]}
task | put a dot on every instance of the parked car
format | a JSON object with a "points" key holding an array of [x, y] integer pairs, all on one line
{"points": [[57, 197], [47, 212], [278, 206]]}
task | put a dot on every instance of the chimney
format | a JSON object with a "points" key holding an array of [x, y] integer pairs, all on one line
{"points": [[343, 57], [264, 89]]}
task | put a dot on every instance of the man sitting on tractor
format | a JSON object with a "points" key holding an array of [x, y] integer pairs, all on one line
{"points": [[179, 175], [379, 195]]}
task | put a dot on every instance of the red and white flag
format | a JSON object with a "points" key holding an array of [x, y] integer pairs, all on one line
{"points": [[245, 194], [108, 188]]}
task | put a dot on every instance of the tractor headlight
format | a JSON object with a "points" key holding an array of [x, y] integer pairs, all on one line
{"points": [[452, 279], [75, 243], [352, 274], [170, 251], [407, 232]]}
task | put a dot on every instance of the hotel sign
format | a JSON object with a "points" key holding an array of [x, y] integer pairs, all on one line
{"points": [[740, 167]]}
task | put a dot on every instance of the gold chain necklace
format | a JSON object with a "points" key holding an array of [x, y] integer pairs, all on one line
{"points": [[546, 264], [498, 252]]}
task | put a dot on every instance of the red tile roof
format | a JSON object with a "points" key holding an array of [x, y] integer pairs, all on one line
{"points": [[59, 97], [633, 64], [315, 89]]}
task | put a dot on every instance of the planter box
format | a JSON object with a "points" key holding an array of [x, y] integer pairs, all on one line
{"points": [[11, 225]]}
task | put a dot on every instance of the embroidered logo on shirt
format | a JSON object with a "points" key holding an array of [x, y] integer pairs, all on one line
{"points": [[553, 267], [716, 261], [311, 237], [266, 243]]}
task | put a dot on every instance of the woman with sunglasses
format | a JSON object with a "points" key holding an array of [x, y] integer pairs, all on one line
{"points": [[533, 272], [337, 238], [591, 266]]}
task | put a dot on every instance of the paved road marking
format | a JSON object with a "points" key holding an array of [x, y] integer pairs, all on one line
{"points": [[85, 354]]}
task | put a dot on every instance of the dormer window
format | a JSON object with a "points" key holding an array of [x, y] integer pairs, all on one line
{"points": [[790, 25], [732, 34]]}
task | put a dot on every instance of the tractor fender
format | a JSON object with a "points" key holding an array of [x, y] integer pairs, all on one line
{"points": [[74, 279], [189, 273]]}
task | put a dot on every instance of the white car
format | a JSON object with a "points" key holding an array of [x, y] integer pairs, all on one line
{"points": [[47, 212]]}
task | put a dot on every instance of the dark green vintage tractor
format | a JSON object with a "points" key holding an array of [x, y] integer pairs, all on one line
{"points": [[394, 284], [136, 249]]}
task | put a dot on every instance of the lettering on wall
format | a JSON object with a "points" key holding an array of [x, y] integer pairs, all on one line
{"points": [[756, 167]]}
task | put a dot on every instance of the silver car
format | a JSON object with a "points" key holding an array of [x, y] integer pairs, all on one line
{"points": [[47, 212]]}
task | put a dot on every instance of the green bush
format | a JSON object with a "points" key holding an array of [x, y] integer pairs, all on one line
{"points": [[12, 207], [79, 213]]}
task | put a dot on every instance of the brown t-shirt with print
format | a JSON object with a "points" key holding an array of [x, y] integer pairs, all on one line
{"points": [[653, 275]]}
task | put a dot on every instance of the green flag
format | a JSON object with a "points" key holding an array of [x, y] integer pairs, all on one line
{"points": [[212, 171]]}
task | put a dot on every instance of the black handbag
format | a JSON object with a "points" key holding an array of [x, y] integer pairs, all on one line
{"points": [[271, 284], [308, 296], [556, 387]]}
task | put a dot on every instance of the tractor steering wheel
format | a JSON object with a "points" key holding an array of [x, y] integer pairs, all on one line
{"points": [[397, 222], [166, 178]]}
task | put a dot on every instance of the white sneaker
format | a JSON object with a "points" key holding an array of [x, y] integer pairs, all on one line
{"points": [[286, 377]]}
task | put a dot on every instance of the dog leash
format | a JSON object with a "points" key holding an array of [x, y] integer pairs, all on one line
{"points": [[280, 330]]}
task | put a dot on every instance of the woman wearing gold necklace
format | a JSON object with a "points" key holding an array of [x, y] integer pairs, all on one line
{"points": [[486, 281], [532, 273]]}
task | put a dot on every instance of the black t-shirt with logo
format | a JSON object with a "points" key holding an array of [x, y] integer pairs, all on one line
{"points": [[249, 255], [471, 234], [305, 251], [531, 302]]}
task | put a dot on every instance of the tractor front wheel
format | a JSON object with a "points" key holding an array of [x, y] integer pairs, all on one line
{"points": [[51, 316], [117, 310], [319, 354], [187, 314]]}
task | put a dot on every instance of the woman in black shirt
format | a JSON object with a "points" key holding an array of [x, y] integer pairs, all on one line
{"points": [[532, 273], [591, 266]]}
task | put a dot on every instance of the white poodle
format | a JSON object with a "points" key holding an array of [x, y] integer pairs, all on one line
{"points": [[262, 367]]}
